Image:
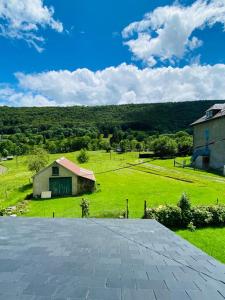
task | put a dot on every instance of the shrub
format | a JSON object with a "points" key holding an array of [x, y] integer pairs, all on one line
{"points": [[183, 215], [184, 202], [218, 214], [201, 216], [83, 156], [191, 226], [187, 217], [185, 206], [2, 212], [168, 215], [85, 207]]}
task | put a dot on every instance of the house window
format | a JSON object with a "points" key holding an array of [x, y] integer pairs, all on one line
{"points": [[209, 114], [55, 171]]}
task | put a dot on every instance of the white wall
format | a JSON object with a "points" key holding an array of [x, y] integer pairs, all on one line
{"points": [[41, 180]]}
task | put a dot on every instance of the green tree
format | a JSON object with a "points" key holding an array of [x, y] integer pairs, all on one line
{"points": [[185, 206], [8, 146], [51, 146], [185, 145], [38, 159], [105, 145], [5, 153], [83, 156], [125, 145], [184, 202], [133, 145], [139, 146], [164, 146]]}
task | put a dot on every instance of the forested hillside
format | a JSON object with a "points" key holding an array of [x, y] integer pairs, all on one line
{"points": [[159, 117], [162, 128]]}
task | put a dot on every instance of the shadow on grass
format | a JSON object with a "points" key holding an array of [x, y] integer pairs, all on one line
{"points": [[218, 172], [64, 197], [25, 188], [53, 198]]}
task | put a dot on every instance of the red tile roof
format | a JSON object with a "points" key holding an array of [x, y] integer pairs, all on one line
{"points": [[69, 165]]}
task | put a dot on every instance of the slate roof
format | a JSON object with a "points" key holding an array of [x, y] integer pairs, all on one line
{"points": [[219, 114], [69, 165], [217, 106], [98, 259]]}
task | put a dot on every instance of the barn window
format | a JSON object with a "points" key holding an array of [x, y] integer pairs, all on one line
{"points": [[55, 171]]}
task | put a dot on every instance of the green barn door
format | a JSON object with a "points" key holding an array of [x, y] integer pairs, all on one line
{"points": [[60, 186]]}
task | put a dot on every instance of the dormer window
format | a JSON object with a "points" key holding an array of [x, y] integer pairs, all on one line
{"points": [[209, 114], [55, 171]]}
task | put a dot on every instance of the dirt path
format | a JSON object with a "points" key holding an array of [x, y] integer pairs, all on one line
{"points": [[2, 169]]}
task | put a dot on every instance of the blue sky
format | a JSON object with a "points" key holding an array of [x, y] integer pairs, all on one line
{"points": [[91, 52], [94, 40]]}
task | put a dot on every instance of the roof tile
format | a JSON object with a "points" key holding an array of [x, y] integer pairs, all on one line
{"points": [[69, 165]]}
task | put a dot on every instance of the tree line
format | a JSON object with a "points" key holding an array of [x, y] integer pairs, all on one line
{"points": [[142, 127], [161, 145]]}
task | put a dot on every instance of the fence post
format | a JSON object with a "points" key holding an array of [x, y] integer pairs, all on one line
{"points": [[53, 214], [127, 210], [174, 162], [145, 209]]}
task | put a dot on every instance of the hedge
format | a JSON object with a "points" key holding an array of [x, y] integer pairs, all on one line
{"points": [[183, 214]]}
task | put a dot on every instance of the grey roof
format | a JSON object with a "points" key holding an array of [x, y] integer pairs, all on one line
{"points": [[217, 106], [98, 259], [219, 114]]}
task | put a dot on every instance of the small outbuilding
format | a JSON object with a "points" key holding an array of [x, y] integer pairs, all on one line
{"points": [[63, 178]]}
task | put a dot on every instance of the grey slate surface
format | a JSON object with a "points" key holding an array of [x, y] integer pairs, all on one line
{"points": [[98, 259]]}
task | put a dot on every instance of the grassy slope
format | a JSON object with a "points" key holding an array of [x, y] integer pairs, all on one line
{"points": [[210, 240], [15, 183], [136, 184]]}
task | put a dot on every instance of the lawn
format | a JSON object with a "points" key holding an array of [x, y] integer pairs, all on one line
{"points": [[156, 181], [210, 240]]}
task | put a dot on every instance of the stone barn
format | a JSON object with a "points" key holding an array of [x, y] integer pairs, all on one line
{"points": [[63, 178], [209, 139]]}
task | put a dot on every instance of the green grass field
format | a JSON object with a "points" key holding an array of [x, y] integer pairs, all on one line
{"points": [[210, 240], [156, 181]]}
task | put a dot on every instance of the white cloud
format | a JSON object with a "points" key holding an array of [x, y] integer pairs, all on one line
{"points": [[119, 85], [166, 34], [22, 19], [11, 97]]}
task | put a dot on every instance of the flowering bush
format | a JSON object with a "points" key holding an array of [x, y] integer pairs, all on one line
{"points": [[168, 215], [183, 215], [201, 216], [218, 214]]}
